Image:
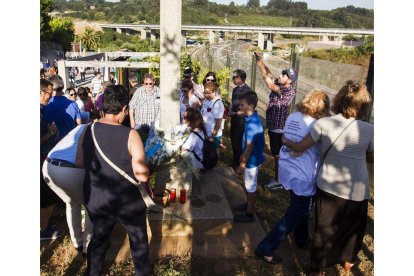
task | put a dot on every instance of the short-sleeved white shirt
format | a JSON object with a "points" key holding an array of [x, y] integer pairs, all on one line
{"points": [[210, 113], [194, 143], [297, 171], [183, 107]]}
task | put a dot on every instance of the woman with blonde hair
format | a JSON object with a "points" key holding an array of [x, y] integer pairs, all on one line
{"points": [[297, 174], [342, 182]]}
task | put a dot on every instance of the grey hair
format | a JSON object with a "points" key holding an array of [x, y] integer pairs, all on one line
{"points": [[57, 82]]}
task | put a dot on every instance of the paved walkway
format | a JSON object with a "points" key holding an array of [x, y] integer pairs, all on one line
{"points": [[236, 239]]}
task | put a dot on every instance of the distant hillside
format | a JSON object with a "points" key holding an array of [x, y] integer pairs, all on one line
{"points": [[276, 13]]}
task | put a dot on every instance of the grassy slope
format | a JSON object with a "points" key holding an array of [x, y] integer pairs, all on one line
{"points": [[260, 20], [61, 259]]}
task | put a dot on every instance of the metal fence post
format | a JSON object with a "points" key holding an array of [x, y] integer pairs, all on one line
{"points": [[370, 85], [253, 77], [228, 65], [295, 64]]}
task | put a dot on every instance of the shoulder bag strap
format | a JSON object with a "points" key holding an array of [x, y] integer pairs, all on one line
{"points": [[195, 154], [215, 103], [148, 201], [330, 146]]}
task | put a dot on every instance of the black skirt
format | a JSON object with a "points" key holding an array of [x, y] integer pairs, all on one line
{"points": [[339, 230]]}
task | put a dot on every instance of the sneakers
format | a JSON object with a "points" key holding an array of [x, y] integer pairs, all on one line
{"points": [[274, 185], [243, 218], [50, 234]]}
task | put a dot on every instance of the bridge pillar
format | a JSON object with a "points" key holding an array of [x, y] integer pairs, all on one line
{"points": [[260, 41], [153, 35], [269, 42], [63, 73], [170, 64], [143, 34], [119, 30], [211, 37], [183, 38]]}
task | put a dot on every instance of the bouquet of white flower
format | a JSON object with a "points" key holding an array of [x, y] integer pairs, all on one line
{"points": [[159, 150]]}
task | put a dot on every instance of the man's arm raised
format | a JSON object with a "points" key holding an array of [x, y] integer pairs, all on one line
{"points": [[266, 74]]}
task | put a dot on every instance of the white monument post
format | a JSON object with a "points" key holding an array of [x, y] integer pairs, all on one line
{"points": [[170, 58]]}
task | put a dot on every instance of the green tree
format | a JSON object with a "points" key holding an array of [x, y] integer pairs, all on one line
{"points": [[62, 31], [99, 16], [89, 39], [253, 4], [200, 2], [45, 8]]}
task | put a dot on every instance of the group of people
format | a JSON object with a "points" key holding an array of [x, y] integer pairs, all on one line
{"points": [[318, 158]]}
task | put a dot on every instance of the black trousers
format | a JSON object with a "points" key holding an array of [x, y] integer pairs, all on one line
{"points": [[136, 227], [339, 230], [236, 137]]}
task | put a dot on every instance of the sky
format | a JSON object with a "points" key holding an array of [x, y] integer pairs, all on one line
{"points": [[314, 4]]}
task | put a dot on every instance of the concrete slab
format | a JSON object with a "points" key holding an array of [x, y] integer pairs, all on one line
{"points": [[207, 212], [207, 231]]}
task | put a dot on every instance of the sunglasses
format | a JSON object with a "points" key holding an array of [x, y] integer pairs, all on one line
{"points": [[148, 83], [209, 79], [234, 77], [72, 94], [285, 73]]}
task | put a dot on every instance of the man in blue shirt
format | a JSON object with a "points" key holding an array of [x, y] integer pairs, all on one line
{"points": [[64, 112], [253, 146]]}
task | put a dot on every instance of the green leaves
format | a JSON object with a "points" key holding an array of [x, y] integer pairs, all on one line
{"points": [[62, 32], [89, 39]]}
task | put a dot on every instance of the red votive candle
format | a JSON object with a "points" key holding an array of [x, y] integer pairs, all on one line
{"points": [[182, 196], [172, 195]]}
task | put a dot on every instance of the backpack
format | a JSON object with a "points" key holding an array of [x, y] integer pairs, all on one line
{"points": [[210, 154]]}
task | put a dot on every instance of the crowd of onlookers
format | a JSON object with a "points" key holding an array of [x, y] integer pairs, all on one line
{"points": [[91, 138]]}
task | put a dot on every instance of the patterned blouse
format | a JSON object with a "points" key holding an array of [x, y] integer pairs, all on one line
{"points": [[277, 109]]}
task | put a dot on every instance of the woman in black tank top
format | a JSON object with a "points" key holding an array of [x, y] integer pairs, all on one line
{"points": [[109, 196]]}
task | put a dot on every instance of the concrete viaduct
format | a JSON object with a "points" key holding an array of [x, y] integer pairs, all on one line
{"points": [[265, 34]]}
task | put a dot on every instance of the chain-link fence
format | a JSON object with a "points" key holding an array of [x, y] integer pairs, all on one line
{"points": [[313, 73]]}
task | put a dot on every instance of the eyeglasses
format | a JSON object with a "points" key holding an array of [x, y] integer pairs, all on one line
{"points": [[206, 93], [209, 79], [148, 83], [285, 73]]}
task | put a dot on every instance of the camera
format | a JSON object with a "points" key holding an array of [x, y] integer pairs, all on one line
{"points": [[276, 81]]}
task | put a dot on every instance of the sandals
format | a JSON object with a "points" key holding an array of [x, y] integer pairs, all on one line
{"points": [[274, 261]]}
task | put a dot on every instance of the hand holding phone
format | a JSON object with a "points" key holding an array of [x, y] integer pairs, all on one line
{"points": [[258, 56]]}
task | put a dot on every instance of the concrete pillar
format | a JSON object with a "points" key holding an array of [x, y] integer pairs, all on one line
{"points": [[183, 38], [63, 73], [325, 38], [143, 34], [269, 44], [170, 60], [153, 35], [211, 37], [260, 41], [119, 30], [105, 74]]}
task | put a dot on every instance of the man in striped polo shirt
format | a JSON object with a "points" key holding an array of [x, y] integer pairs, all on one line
{"points": [[277, 110]]}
